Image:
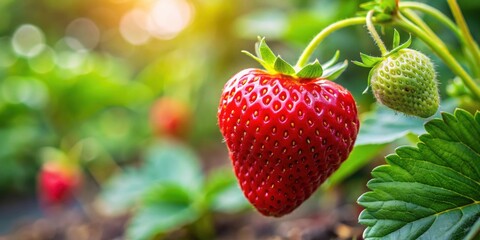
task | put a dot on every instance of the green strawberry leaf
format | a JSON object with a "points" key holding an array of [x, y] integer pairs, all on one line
{"points": [[311, 70], [223, 193], [124, 190], [165, 162], [282, 66], [174, 163], [166, 207], [264, 52], [382, 125], [430, 191], [359, 157], [332, 61], [335, 71]]}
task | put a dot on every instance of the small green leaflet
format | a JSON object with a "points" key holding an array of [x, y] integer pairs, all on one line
{"points": [[264, 52], [396, 39], [335, 71], [431, 191], [165, 207], [282, 66], [275, 64], [333, 60], [311, 70]]}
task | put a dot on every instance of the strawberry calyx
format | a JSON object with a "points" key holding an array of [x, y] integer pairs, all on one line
{"points": [[384, 10], [372, 61], [275, 64]]}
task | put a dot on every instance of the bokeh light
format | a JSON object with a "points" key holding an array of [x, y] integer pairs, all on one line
{"points": [[133, 28], [162, 19], [28, 40], [29, 91], [83, 31]]}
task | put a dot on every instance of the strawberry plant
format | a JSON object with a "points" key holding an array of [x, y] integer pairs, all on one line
{"points": [[271, 118], [169, 192]]}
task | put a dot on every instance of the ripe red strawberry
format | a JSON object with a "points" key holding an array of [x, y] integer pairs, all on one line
{"points": [[57, 184], [285, 134], [170, 117]]}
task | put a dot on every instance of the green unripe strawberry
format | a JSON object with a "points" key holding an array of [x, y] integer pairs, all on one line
{"points": [[405, 81]]}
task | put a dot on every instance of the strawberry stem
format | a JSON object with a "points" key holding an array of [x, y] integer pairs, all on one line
{"points": [[442, 18], [413, 17], [374, 34], [434, 13], [465, 32], [323, 34], [442, 52]]}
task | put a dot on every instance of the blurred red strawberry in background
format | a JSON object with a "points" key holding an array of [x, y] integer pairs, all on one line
{"points": [[57, 180], [170, 117]]}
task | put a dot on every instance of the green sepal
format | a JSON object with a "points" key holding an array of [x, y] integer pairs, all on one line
{"points": [[311, 70], [282, 66], [369, 79], [267, 66], [264, 52], [360, 64], [333, 60], [396, 38], [335, 71], [384, 10], [404, 45], [368, 61]]}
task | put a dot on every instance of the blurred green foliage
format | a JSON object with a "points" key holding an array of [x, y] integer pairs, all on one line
{"points": [[170, 191]]}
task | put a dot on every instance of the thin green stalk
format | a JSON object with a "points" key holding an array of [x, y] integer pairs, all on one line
{"points": [[443, 53], [374, 34], [412, 16], [303, 59], [442, 18], [470, 43], [434, 13]]}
